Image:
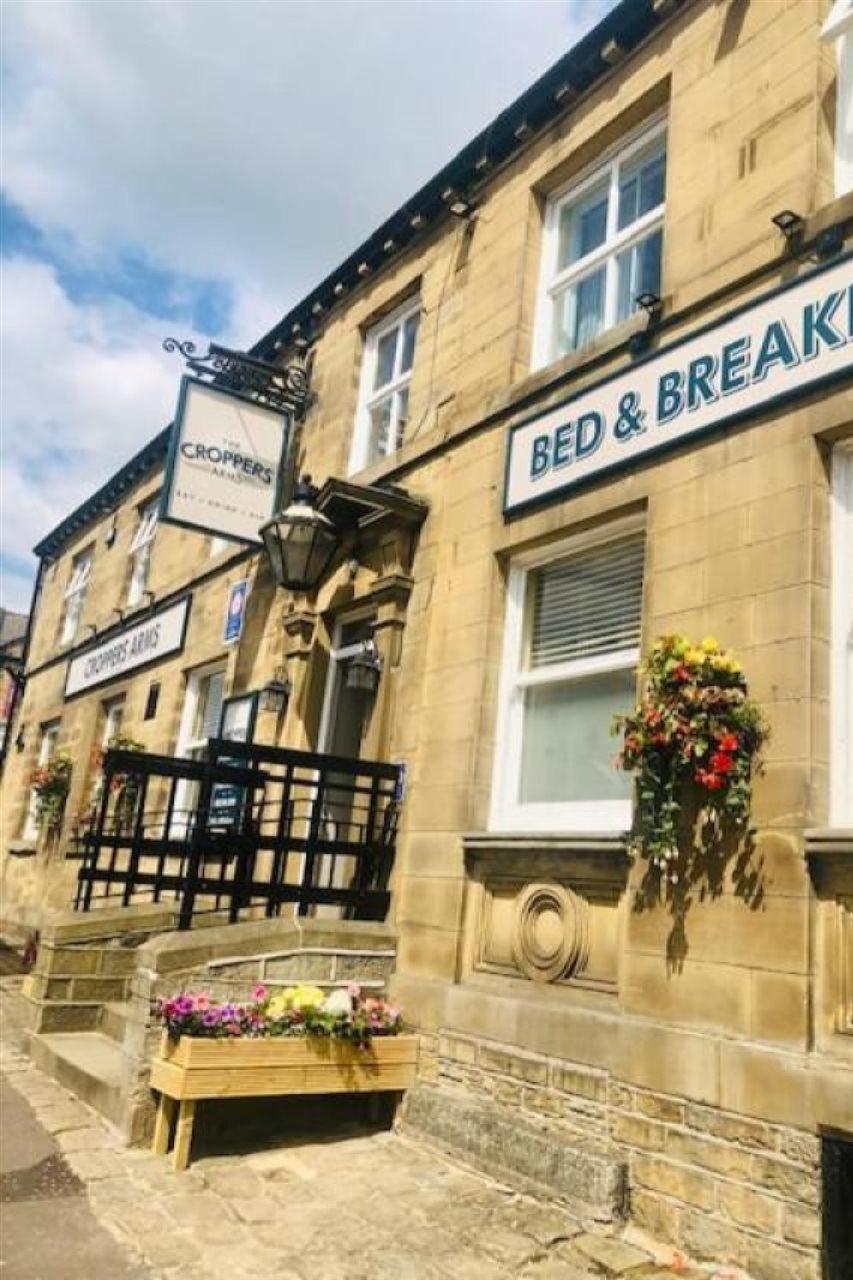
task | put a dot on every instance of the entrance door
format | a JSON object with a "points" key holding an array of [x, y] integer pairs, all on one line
{"points": [[346, 714]]}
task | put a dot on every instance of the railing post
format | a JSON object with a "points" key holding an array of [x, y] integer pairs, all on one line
{"points": [[311, 843], [138, 833], [199, 835]]}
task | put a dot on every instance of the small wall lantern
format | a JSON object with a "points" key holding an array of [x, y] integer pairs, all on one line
{"points": [[300, 541], [365, 668], [275, 693]]}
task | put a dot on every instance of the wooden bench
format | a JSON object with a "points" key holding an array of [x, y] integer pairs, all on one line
{"points": [[191, 1069]]}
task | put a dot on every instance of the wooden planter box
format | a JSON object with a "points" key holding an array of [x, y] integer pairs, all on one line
{"points": [[192, 1068]]}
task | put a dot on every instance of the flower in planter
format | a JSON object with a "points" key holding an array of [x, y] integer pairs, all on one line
{"points": [[296, 1011], [694, 736]]}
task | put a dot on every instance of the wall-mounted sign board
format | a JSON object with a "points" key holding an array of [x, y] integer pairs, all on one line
{"points": [[235, 612], [156, 636], [223, 475], [782, 345]]}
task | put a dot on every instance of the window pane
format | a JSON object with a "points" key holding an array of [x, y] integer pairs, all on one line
{"points": [[410, 333], [583, 226], [402, 416], [638, 271], [567, 749], [385, 352], [579, 313], [641, 184], [379, 429]]}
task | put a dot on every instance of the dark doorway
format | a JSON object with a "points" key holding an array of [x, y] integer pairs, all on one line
{"points": [[837, 1171]]}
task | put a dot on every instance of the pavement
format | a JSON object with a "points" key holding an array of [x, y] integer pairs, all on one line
{"points": [[356, 1205]]}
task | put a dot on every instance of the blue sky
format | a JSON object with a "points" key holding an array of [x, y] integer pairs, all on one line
{"points": [[194, 167]]}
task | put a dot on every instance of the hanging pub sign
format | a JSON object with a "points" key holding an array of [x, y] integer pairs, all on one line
{"points": [[780, 346], [158, 635], [223, 474]]}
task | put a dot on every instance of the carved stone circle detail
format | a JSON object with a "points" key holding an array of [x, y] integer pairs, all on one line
{"points": [[549, 939]]}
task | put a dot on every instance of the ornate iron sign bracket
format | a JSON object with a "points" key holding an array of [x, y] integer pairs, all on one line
{"points": [[281, 387]]}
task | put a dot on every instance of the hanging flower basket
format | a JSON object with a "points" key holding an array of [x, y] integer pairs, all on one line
{"points": [[125, 787], [693, 743], [51, 783]]}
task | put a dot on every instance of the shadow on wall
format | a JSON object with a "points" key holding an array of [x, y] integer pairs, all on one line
{"points": [[715, 857]]}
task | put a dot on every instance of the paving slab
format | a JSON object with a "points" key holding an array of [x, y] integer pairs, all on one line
{"points": [[357, 1204]]}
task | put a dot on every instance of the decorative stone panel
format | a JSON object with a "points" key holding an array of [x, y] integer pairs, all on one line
{"points": [[546, 909]]}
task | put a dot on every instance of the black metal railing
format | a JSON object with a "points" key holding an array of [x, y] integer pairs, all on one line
{"points": [[247, 830]]}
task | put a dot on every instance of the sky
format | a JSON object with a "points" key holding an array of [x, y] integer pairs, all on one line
{"points": [[195, 167]]}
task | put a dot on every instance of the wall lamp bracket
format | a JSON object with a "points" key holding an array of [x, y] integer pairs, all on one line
{"points": [[652, 304], [792, 225]]}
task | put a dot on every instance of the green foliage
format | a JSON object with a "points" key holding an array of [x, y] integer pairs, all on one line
{"points": [[695, 734]]}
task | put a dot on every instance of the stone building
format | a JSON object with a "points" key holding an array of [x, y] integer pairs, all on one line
{"points": [[477, 353]]}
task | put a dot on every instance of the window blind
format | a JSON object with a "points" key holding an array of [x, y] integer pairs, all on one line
{"points": [[588, 604], [212, 711]]}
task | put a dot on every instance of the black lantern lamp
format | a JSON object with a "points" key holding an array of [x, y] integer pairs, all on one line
{"points": [[300, 540], [365, 668]]}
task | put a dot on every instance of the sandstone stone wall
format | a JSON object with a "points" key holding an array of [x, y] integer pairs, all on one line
{"points": [[716, 1183]]}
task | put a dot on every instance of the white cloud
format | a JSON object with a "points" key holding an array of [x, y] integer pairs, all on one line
{"points": [[84, 387], [251, 141]]}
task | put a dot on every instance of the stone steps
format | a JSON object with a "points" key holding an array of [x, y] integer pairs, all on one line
{"points": [[88, 1063], [112, 1020]]}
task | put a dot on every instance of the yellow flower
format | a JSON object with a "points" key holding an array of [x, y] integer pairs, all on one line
{"points": [[710, 645], [694, 657], [295, 998]]}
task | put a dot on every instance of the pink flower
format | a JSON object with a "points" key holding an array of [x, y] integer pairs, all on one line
{"points": [[259, 993]]}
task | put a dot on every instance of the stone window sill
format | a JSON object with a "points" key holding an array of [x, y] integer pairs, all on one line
{"points": [[597, 853], [829, 854], [22, 848]]}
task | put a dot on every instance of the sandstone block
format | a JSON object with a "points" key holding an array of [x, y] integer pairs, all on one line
{"points": [[674, 1180], [748, 1208], [589, 1084], [633, 1131], [510, 1063]]}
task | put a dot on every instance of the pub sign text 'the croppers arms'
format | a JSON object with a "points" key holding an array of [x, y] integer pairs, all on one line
{"points": [[777, 347]]}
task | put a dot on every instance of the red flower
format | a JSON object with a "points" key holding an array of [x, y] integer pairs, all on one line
{"points": [[722, 763], [711, 781], [727, 742], [681, 672]]}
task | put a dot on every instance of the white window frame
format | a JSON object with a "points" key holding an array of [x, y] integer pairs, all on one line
{"points": [[838, 28], [48, 743], [187, 742], [507, 813], [113, 716], [75, 594], [553, 282], [140, 550], [841, 643], [367, 397]]}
